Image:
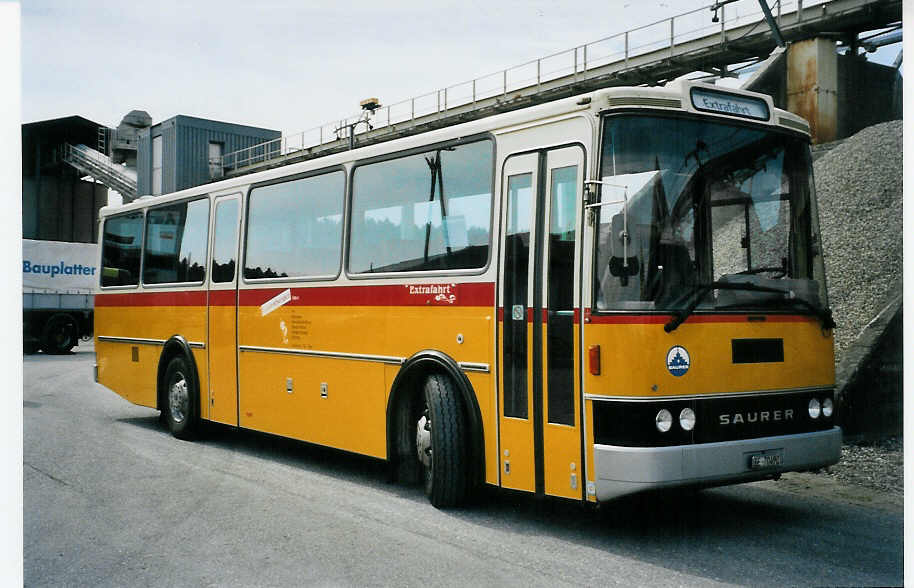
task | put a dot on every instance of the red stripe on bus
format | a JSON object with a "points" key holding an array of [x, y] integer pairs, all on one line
{"points": [[170, 298], [659, 319], [222, 298], [470, 294]]}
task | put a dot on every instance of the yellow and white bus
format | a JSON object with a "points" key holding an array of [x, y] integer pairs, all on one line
{"points": [[592, 297]]}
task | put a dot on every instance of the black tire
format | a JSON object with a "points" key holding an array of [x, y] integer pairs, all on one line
{"points": [[445, 459], [406, 469], [59, 335], [179, 400]]}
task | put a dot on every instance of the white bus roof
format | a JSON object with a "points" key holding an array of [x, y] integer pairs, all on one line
{"points": [[674, 97]]}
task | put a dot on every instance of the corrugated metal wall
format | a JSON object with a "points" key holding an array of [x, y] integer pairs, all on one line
{"points": [[185, 150], [144, 162], [193, 138], [144, 158], [169, 157]]}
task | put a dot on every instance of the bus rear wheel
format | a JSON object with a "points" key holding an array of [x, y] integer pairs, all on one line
{"points": [[180, 408], [441, 443]]}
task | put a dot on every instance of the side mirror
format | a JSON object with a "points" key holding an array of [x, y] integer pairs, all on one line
{"points": [[619, 268], [621, 264]]}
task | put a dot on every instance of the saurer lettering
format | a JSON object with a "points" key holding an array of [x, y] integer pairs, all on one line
{"points": [[762, 416]]}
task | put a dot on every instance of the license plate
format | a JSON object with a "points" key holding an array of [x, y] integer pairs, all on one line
{"points": [[766, 460]]}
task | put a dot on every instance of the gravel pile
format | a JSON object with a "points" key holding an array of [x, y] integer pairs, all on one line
{"points": [[859, 187], [879, 466]]}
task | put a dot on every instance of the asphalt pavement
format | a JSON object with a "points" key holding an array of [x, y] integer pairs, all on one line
{"points": [[111, 499]]}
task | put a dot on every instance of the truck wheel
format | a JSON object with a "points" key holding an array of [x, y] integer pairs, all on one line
{"points": [[180, 399], [441, 443], [59, 334]]}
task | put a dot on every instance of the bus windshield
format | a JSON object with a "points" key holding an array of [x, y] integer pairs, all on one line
{"points": [[702, 214]]}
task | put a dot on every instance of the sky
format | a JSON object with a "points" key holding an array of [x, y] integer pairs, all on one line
{"points": [[291, 65]]}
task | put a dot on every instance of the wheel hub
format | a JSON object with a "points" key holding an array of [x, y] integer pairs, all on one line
{"points": [[424, 441], [178, 399]]}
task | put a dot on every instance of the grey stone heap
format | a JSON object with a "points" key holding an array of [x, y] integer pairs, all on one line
{"points": [[859, 187]]}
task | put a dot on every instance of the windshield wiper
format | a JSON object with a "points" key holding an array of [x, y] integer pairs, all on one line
{"points": [[697, 293], [437, 175]]}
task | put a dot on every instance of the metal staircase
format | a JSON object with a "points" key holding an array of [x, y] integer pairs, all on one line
{"points": [[99, 166]]}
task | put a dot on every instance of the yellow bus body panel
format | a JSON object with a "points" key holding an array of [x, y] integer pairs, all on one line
{"points": [[633, 361], [562, 443], [633, 358], [352, 414], [136, 380], [221, 352], [516, 458]]}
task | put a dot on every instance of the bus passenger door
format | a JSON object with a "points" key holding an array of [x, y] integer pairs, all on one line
{"points": [[222, 403], [540, 445], [515, 424], [560, 339]]}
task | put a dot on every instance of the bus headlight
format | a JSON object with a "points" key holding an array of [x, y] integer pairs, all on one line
{"points": [[687, 419], [828, 408], [814, 408], [664, 420]]}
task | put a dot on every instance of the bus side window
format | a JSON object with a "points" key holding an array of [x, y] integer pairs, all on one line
{"points": [[295, 228], [175, 247], [423, 212], [121, 241], [225, 241]]}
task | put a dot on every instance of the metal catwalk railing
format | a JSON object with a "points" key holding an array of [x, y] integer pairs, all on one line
{"points": [[99, 166], [630, 50]]}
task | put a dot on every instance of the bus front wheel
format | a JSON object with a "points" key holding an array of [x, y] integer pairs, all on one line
{"points": [[180, 399], [441, 443]]}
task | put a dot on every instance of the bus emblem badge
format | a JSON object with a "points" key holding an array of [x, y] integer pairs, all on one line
{"points": [[678, 361]]}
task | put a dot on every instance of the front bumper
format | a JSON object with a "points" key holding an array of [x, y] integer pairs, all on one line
{"points": [[626, 470]]}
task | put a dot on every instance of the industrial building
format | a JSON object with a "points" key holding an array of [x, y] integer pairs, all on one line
{"points": [[68, 167], [185, 151], [58, 203]]}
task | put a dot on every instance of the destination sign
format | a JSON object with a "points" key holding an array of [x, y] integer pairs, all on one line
{"points": [[734, 105]]}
